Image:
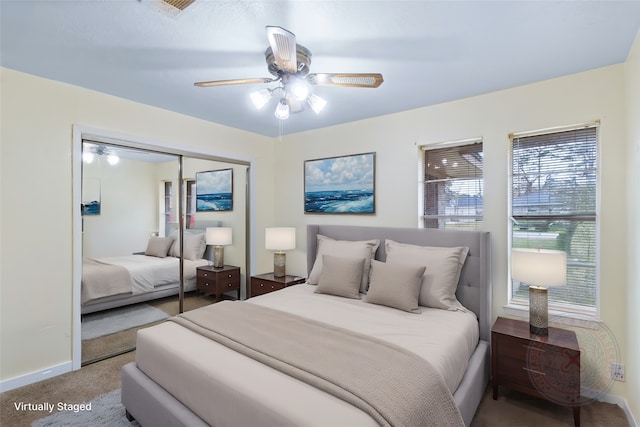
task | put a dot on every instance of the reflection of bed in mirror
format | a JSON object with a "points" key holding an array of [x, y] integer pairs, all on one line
{"points": [[117, 281], [272, 351]]}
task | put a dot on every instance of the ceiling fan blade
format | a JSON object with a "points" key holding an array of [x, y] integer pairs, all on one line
{"points": [[346, 79], [233, 82], [283, 45]]}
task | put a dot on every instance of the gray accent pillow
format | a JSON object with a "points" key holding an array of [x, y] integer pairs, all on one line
{"points": [[340, 276], [440, 280], [395, 285], [344, 248], [158, 246]]}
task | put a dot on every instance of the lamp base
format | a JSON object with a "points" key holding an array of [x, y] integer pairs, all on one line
{"points": [[279, 264], [538, 311], [218, 256]]}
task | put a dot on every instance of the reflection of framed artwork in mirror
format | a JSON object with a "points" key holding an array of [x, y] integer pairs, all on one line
{"points": [[214, 190], [90, 196]]}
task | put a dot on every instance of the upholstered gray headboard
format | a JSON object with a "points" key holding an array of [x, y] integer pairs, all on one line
{"points": [[474, 289], [200, 227]]}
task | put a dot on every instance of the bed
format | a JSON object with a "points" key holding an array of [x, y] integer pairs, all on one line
{"points": [[116, 281], [181, 377]]}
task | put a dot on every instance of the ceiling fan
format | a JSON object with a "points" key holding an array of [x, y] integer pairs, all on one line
{"points": [[289, 63]]}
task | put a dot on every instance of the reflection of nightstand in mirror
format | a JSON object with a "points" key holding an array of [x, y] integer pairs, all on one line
{"points": [[211, 280], [265, 283]]}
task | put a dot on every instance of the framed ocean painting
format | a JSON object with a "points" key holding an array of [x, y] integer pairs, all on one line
{"points": [[340, 185], [214, 190]]}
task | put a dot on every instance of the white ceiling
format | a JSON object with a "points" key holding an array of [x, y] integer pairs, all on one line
{"points": [[428, 51]]}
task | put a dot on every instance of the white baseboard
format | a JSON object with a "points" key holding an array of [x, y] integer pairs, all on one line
{"points": [[34, 377], [617, 400]]}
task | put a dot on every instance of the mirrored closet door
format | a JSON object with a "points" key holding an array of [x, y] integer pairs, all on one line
{"points": [[148, 240]]}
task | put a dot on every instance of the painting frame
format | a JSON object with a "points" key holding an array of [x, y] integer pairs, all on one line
{"points": [[214, 190], [91, 197], [340, 185]]}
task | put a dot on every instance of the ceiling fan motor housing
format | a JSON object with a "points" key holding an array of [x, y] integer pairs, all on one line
{"points": [[303, 57]]}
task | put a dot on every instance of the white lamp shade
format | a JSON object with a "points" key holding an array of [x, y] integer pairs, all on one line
{"points": [[219, 236], [280, 238], [539, 267]]}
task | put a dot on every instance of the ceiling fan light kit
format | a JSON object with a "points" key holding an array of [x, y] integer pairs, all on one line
{"points": [[261, 97], [282, 110], [316, 103], [289, 63], [91, 151]]}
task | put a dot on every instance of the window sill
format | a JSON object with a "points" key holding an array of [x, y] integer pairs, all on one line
{"points": [[556, 316]]}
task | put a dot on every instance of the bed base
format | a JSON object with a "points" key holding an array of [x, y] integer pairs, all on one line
{"points": [[122, 300], [151, 405]]}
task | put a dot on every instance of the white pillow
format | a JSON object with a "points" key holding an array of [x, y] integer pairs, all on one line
{"points": [[340, 276], [395, 285], [344, 248], [443, 267]]}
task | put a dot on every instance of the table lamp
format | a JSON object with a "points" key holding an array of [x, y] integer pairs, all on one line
{"points": [[539, 268], [218, 237], [280, 239]]}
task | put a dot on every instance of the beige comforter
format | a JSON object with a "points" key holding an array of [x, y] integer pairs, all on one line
{"points": [[100, 280], [393, 385]]}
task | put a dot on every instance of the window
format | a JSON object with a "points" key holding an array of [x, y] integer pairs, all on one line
{"points": [[452, 190], [167, 207], [553, 206], [190, 185]]}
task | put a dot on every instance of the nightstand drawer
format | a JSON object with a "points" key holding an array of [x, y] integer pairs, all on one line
{"points": [[525, 350], [205, 274], [514, 347], [261, 287], [264, 283], [516, 371], [229, 278]]}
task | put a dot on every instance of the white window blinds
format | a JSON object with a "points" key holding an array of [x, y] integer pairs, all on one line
{"points": [[553, 206], [452, 190]]}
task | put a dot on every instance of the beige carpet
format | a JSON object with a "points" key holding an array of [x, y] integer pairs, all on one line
{"points": [[120, 342], [516, 409], [73, 387], [512, 409]]}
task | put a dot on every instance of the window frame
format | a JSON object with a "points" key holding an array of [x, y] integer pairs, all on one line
{"points": [[422, 182], [167, 212], [189, 201], [562, 310]]}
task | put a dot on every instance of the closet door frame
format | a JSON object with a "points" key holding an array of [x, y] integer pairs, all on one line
{"points": [[81, 133]]}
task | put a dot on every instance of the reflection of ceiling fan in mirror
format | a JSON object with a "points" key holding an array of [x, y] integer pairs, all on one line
{"points": [[289, 63]]}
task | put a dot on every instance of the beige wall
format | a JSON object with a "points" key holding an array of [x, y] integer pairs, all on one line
{"points": [[632, 90], [36, 268], [594, 95], [37, 116], [128, 207]]}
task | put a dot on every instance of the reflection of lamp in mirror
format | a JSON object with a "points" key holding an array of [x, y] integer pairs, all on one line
{"points": [[539, 268], [218, 237], [280, 239]]}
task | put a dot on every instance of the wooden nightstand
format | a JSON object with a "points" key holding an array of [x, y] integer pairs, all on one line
{"points": [[265, 283], [543, 366], [211, 280]]}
